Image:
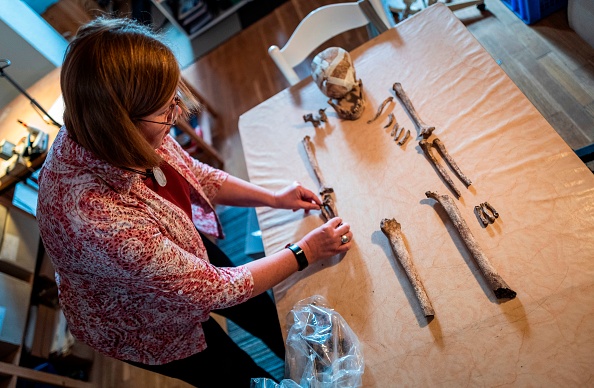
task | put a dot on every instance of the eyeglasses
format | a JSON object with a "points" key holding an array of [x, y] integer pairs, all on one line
{"points": [[171, 116]]}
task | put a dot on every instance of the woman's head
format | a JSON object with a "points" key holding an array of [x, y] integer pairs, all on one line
{"points": [[117, 74]]}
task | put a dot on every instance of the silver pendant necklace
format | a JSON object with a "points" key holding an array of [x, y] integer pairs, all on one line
{"points": [[159, 176], [155, 173]]}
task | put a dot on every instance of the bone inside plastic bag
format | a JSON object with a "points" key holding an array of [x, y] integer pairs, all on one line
{"points": [[321, 351]]}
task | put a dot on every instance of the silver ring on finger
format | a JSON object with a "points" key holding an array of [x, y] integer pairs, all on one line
{"points": [[344, 239]]}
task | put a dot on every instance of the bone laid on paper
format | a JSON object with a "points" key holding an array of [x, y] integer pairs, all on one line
{"points": [[405, 138], [380, 109], [398, 133], [491, 209], [352, 105], [393, 232], [496, 283], [444, 153], [334, 73], [426, 147], [486, 213], [478, 210], [310, 118], [424, 129], [390, 120], [328, 206]]}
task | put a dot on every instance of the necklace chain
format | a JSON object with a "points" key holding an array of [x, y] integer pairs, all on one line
{"points": [[155, 173], [149, 172]]}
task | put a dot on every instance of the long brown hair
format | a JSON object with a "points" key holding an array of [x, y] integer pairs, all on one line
{"points": [[116, 71]]}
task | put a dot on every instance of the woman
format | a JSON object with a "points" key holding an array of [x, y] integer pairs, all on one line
{"points": [[125, 213]]}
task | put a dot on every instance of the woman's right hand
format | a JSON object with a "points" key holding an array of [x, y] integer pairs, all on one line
{"points": [[327, 240]]}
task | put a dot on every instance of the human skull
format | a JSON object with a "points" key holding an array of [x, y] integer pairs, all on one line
{"points": [[333, 72], [352, 105]]}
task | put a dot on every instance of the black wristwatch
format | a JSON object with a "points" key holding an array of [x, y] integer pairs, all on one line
{"points": [[299, 255]]}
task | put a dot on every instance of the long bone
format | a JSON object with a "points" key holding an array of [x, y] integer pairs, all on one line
{"points": [[496, 282], [328, 206], [426, 147], [424, 129], [393, 232], [444, 153]]}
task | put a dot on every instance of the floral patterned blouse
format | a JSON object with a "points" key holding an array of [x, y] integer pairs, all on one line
{"points": [[134, 278]]}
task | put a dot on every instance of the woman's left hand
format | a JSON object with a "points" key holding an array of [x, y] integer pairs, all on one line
{"points": [[296, 197]]}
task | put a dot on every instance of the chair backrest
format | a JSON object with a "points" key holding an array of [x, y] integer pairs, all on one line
{"points": [[320, 25]]}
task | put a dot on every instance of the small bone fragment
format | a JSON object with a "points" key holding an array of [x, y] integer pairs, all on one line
{"points": [[496, 283], [479, 212], [400, 132], [392, 230], [491, 209], [442, 150], [426, 147], [309, 117], [390, 120], [405, 138], [425, 130], [394, 129], [323, 117], [380, 109], [487, 214]]}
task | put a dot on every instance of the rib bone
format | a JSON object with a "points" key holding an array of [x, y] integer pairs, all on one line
{"points": [[405, 138], [426, 147], [380, 109], [496, 283], [442, 150], [392, 230], [394, 129], [424, 129], [398, 133], [390, 120], [328, 207]]}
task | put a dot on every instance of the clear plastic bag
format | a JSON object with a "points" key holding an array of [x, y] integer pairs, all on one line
{"points": [[322, 350]]}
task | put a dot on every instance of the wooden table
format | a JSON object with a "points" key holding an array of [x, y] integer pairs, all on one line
{"points": [[542, 244]]}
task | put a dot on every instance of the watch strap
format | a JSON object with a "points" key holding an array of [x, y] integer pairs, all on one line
{"points": [[302, 262]]}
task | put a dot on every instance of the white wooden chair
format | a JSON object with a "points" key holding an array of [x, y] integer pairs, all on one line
{"points": [[322, 24]]}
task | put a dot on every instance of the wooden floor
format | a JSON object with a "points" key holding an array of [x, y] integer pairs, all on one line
{"points": [[548, 61]]}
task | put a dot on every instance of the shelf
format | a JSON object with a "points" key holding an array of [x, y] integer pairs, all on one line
{"points": [[164, 8], [42, 377]]}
